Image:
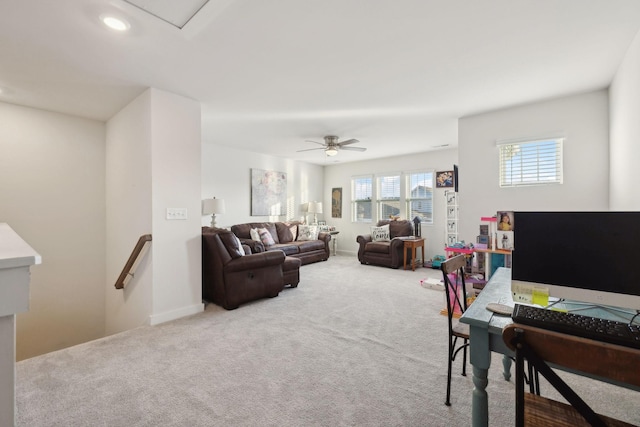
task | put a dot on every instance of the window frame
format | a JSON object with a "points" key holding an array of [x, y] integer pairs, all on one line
{"points": [[355, 202], [404, 201], [534, 166]]}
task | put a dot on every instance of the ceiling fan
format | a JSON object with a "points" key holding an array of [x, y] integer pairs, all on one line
{"points": [[331, 145]]}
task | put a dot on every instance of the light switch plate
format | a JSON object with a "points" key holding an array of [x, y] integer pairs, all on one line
{"points": [[176, 213]]}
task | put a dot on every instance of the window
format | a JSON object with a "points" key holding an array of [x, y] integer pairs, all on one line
{"points": [[388, 196], [404, 194], [361, 196], [419, 196], [531, 163]]}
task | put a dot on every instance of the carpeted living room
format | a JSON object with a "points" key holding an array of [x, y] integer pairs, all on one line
{"points": [[352, 345], [183, 123]]}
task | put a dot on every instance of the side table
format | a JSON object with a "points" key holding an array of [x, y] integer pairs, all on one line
{"points": [[334, 239], [413, 245]]}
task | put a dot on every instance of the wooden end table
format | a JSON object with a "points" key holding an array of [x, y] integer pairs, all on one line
{"points": [[413, 245]]}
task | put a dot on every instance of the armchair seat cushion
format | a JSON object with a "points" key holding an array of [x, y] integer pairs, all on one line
{"points": [[378, 247]]}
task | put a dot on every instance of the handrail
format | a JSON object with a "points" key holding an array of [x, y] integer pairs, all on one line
{"points": [[129, 267]]}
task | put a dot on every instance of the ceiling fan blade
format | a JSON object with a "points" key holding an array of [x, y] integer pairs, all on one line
{"points": [[354, 148], [310, 149], [347, 142], [315, 142]]}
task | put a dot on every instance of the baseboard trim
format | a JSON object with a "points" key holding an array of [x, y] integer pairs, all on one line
{"points": [[156, 319]]}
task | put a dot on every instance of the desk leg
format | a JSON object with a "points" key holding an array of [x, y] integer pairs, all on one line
{"points": [[480, 358], [479, 398], [506, 365]]}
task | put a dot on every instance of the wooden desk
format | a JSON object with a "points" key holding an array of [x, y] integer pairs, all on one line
{"points": [[413, 245], [485, 336]]}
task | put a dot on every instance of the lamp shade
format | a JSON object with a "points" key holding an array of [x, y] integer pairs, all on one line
{"points": [[213, 206], [315, 207]]}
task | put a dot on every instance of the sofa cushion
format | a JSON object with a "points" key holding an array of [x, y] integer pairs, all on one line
{"points": [[378, 247], [232, 243], [287, 248], [380, 234], [307, 232]]}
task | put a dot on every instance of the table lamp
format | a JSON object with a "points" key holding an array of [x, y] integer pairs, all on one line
{"points": [[314, 208], [212, 207]]}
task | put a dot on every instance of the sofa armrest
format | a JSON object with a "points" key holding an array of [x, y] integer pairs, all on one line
{"points": [[362, 240], [324, 236], [261, 260], [256, 247]]}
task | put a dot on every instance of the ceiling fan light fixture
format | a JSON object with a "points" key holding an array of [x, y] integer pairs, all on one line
{"points": [[331, 151]]}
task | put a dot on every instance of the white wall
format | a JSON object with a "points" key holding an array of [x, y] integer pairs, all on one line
{"points": [[226, 174], [52, 193], [153, 163], [624, 98], [339, 175], [582, 119], [176, 180], [128, 199]]}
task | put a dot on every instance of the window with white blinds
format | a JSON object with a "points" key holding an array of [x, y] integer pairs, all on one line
{"points": [[419, 196], [388, 196], [531, 162], [361, 198]]}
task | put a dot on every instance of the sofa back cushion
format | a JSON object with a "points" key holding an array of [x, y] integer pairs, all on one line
{"points": [[397, 228], [232, 243], [287, 231]]}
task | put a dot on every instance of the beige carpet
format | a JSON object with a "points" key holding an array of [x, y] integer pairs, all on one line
{"points": [[353, 345]]}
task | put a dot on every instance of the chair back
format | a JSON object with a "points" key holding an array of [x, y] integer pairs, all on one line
{"points": [[455, 289], [594, 358]]}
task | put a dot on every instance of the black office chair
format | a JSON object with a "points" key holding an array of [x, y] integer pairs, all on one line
{"points": [[456, 305]]}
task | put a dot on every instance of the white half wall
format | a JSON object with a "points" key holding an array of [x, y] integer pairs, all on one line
{"points": [[624, 98], [226, 174], [153, 163], [339, 175], [582, 119], [52, 193]]}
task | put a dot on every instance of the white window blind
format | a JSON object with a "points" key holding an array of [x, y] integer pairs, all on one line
{"points": [[361, 196], [388, 196], [531, 162]]}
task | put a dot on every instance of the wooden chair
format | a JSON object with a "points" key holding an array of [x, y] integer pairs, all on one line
{"points": [[456, 305], [594, 358]]}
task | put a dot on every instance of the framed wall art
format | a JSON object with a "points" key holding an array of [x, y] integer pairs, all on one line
{"points": [[268, 193], [336, 202]]}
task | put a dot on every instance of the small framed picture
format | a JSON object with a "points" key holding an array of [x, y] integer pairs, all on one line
{"points": [[444, 179], [322, 222]]}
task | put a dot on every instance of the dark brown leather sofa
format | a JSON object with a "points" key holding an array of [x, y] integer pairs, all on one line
{"points": [[307, 251], [388, 253], [231, 275]]}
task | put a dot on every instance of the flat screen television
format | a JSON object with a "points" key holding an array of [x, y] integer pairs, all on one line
{"points": [[584, 256]]}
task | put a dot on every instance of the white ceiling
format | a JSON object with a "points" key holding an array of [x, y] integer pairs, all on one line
{"points": [[271, 74]]}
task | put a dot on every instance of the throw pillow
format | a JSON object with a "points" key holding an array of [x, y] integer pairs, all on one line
{"points": [[239, 243], [265, 237], [254, 235], [294, 232], [307, 232], [380, 234]]}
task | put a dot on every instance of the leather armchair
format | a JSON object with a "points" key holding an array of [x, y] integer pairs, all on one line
{"points": [[231, 277], [387, 254]]}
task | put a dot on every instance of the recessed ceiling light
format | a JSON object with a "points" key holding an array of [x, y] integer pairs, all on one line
{"points": [[114, 23]]}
